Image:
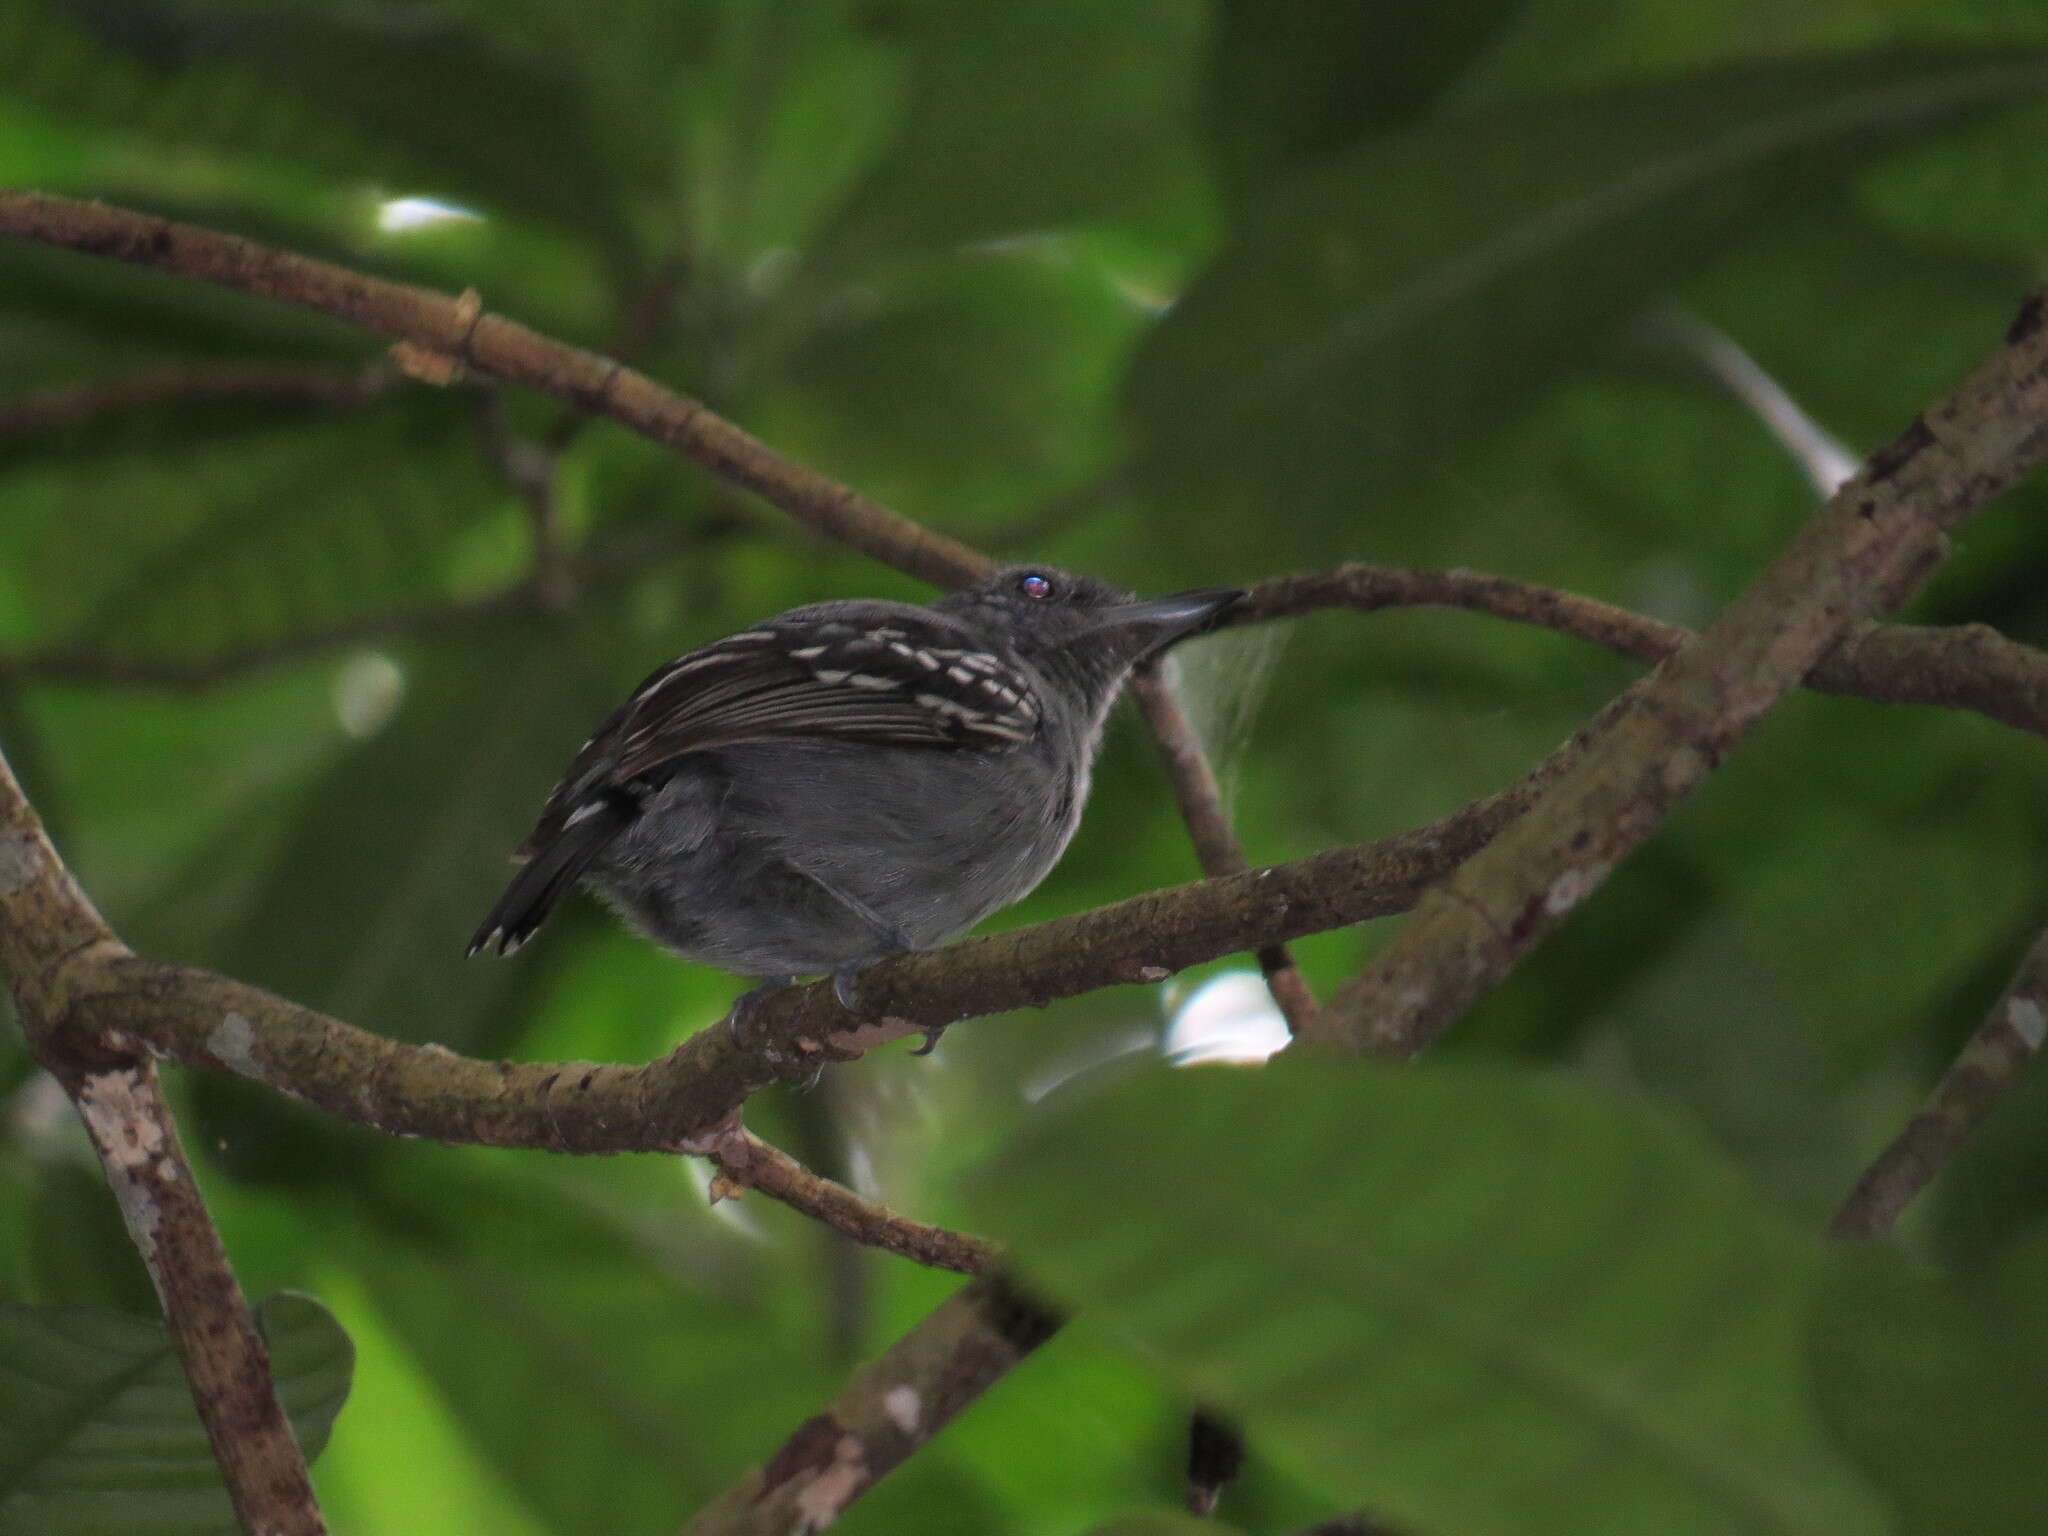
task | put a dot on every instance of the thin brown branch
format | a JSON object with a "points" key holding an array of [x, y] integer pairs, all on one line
{"points": [[68, 405], [1216, 844], [646, 315], [887, 1411], [93, 988], [1989, 1064], [1871, 546], [52, 945], [747, 1162], [1967, 666], [466, 337], [226, 1361], [528, 468]]}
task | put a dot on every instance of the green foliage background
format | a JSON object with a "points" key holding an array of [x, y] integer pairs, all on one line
{"points": [[1182, 293]]}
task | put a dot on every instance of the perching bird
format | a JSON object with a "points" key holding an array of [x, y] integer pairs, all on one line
{"points": [[847, 780]]}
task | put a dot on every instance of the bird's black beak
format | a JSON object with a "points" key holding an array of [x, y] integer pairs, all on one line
{"points": [[1157, 622]]}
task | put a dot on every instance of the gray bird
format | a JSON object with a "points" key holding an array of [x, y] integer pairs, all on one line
{"points": [[847, 780]]}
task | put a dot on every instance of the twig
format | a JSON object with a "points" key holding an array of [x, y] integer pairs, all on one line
{"points": [[1216, 1452], [886, 1411], [746, 1162], [53, 947], [1966, 666], [645, 316], [66, 405], [1869, 549], [529, 469], [462, 333], [1216, 845], [1989, 1064]]}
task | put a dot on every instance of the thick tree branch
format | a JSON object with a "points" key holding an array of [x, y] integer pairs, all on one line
{"points": [[1990, 1063], [747, 1162], [1216, 844], [887, 1410], [1868, 550], [52, 942], [459, 331]]}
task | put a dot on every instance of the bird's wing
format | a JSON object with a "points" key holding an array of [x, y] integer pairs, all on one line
{"points": [[885, 674]]}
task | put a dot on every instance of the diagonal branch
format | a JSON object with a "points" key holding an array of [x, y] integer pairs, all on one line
{"points": [[225, 1359], [1965, 666], [459, 331], [75, 979], [1868, 550], [1990, 1063], [887, 1410], [51, 941], [747, 1162]]}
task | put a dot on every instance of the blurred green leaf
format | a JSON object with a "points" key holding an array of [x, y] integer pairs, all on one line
{"points": [[985, 149], [970, 384], [1384, 308], [1161, 1523], [97, 1428], [442, 98], [1938, 1388], [74, 1248], [254, 541], [404, 841], [1290, 81], [647, 1363], [1478, 1300]]}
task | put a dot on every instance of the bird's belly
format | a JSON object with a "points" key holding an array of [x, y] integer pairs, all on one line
{"points": [[803, 857]]}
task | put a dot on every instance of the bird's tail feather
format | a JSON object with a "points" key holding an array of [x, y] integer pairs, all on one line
{"points": [[548, 874]]}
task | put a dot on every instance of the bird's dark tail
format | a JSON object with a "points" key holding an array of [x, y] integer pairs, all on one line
{"points": [[548, 873]]}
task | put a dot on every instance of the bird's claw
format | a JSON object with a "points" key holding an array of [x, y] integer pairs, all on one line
{"points": [[846, 985], [743, 1008]]}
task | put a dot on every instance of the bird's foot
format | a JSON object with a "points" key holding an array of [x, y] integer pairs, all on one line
{"points": [[743, 1006], [846, 987], [846, 977], [846, 983]]}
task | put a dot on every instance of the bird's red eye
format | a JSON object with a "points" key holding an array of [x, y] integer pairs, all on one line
{"points": [[1032, 584]]}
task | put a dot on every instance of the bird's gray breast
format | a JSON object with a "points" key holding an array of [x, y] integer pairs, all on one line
{"points": [[784, 857], [929, 841]]}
